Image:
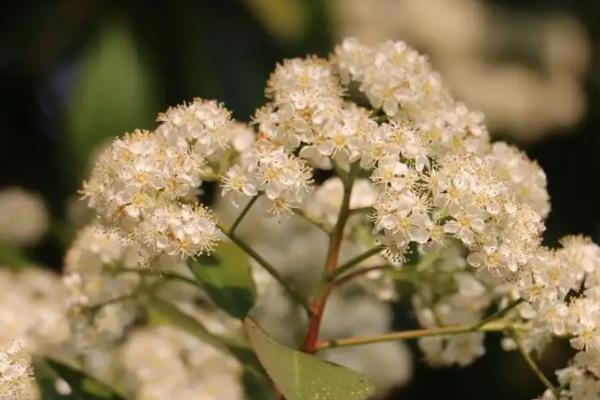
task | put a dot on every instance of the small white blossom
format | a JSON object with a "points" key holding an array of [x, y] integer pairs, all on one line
{"points": [[284, 178]]}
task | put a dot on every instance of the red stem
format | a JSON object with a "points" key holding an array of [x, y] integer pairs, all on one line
{"points": [[317, 305]]}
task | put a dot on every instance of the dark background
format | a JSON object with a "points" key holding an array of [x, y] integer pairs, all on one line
{"points": [[75, 72]]}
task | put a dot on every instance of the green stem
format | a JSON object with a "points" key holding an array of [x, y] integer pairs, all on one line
{"points": [[267, 267], [358, 272], [240, 217], [354, 261], [428, 260], [311, 220], [406, 275], [160, 274], [96, 307], [496, 326], [535, 368], [361, 210], [500, 313]]}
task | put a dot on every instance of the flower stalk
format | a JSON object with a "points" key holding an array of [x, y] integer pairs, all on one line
{"points": [[355, 261], [317, 306], [291, 291], [495, 326], [535, 368]]}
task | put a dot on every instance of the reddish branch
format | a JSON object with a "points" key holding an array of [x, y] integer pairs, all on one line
{"points": [[317, 306]]}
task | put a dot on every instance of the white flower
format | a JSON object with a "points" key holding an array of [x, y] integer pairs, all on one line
{"points": [[394, 77]]}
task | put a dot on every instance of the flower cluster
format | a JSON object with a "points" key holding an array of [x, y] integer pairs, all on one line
{"points": [[450, 293], [394, 77], [523, 176], [92, 277], [38, 294], [562, 290], [205, 128], [415, 174], [453, 35], [265, 168], [16, 375], [180, 366], [146, 182]]}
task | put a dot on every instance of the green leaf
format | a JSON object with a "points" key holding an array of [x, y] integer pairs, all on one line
{"points": [[12, 257], [166, 313], [257, 385], [300, 376], [227, 278], [115, 94], [83, 387]]}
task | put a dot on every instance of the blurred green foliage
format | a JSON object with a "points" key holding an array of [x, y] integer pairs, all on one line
{"points": [[115, 94], [227, 278]]}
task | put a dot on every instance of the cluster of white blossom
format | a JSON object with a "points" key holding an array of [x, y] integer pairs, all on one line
{"points": [[304, 93], [16, 374], [205, 128], [542, 101], [562, 290], [179, 366], [394, 77], [450, 293], [146, 182], [427, 183], [32, 321], [38, 295], [523, 176], [305, 104], [92, 278], [438, 174], [23, 217], [267, 168]]}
